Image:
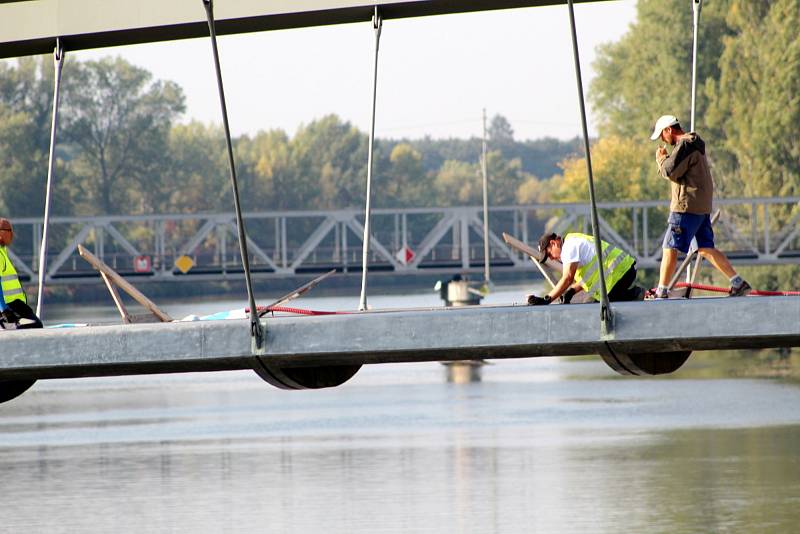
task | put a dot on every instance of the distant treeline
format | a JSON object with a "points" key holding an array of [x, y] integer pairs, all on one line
{"points": [[122, 150]]}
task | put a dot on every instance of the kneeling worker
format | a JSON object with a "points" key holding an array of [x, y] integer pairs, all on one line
{"points": [[577, 254], [13, 302]]}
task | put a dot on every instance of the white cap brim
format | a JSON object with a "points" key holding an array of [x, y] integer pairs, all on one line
{"points": [[664, 121]]}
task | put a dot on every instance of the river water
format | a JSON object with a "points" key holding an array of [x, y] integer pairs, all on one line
{"points": [[540, 445]]}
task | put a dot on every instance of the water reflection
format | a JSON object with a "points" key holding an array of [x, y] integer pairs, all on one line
{"points": [[397, 450]]}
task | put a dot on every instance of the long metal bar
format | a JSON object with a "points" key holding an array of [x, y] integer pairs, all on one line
{"points": [[377, 25], [697, 5], [58, 64], [256, 330], [605, 306]]}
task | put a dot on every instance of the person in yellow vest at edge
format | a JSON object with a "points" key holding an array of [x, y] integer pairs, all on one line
{"points": [[13, 302], [576, 252]]}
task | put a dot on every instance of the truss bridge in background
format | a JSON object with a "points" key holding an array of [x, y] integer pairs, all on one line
{"points": [[405, 241]]}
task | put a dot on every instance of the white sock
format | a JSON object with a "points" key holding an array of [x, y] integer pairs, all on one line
{"points": [[736, 280]]}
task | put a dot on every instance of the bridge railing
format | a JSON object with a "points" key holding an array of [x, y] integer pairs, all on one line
{"points": [[405, 240]]}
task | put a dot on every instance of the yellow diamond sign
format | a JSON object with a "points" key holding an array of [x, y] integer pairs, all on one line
{"points": [[184, 263]]}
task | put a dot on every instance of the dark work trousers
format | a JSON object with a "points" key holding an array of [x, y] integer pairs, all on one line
{"points": [[25, 311], [625, 289]]}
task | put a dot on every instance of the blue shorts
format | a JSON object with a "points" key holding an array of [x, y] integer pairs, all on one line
{"points": [[685, 226]]}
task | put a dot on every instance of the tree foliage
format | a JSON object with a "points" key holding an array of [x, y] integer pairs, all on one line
{"points": [[25, 115], [756, 99], [120, 121], [648, 72]]}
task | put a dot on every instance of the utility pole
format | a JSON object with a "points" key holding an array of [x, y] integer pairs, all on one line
{"points": [[485, 172]]}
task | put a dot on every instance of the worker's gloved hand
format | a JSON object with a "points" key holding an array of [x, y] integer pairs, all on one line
{"points": [[566, 298], [9, 316], [533, 300]]}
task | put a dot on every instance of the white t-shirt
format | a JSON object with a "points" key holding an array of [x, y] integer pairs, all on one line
{"points": [[577, 250]]}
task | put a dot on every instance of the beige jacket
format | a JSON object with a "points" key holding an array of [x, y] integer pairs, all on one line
{"points": [[687, 170]]}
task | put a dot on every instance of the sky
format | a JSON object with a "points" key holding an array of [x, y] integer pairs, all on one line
{"points": [[435, 74]]}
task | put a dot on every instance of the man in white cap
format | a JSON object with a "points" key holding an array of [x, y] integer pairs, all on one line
{"points": [[690, 206]]}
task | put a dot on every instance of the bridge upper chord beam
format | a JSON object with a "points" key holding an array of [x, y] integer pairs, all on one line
{"points": [[31, 27]]}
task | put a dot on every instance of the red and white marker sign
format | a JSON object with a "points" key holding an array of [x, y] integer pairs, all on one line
{"points": [[141, 264], [405, 255]]}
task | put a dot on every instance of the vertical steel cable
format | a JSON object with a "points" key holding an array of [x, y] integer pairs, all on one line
{"points": [[605, 306], [256, 330], [485, 172], [58, 64], [377, 23], [697, 5]]}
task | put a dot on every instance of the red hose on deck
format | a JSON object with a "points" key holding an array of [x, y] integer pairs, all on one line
{"points": [[298, 311], [755, 292]]}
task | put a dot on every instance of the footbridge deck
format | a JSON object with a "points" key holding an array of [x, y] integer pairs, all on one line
{"points": [[656, 327]]}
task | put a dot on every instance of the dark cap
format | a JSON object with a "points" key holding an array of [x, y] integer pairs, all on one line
{"points": [[544, 241], [5, 224]]}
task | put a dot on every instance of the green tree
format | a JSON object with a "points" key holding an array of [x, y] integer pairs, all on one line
{"points": [[458, 183], [329, 158], [505, 178], [500, 131], [404, 182], [756, 101], [25, 115], [199, 169], [623, 169], [120, 120], [648, 73], [266, 173]]}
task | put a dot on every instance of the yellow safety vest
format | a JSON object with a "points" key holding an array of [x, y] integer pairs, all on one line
{"points": [[12, 288], [615, 264]]}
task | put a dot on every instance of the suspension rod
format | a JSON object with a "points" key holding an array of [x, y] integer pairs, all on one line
{"points": [[58, 64], [256, 330], [377, 24], [605, 306], [697, 5]]}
